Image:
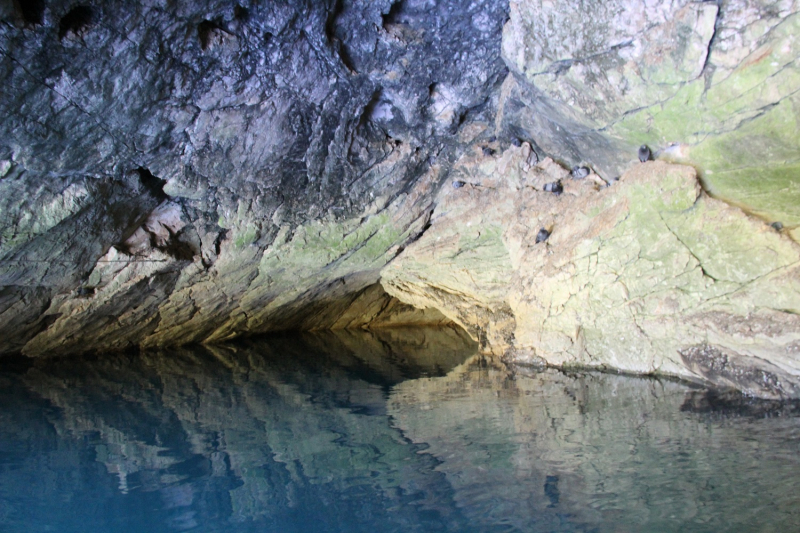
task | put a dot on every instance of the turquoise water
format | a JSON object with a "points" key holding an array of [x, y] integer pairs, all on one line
{"points": [[391, 431]]}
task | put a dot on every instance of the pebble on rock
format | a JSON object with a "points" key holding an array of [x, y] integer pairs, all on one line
{"points": [[644, 153], [554, 187], [457, 184], [579, 172], [542, 236], [777, 226]]}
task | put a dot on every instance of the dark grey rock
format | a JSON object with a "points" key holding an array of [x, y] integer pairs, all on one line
{"points": [[542, 236], [249, 117], [644, 153], [554, 187], [778, 226], [531, 115], [579, 172], [727, 369]]}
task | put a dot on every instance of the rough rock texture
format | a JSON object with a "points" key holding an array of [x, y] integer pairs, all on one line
{"points": [[714, 84], [193, 172], [648, 275], [176, 173]]}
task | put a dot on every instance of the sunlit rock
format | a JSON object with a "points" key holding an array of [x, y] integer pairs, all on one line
{"points": [[631, 276], [717, 79]]}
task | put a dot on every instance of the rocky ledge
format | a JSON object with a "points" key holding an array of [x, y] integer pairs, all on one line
{"points": [[192, 173]]}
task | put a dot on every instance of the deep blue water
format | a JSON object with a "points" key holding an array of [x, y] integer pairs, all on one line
{"points": [[391, 431]]}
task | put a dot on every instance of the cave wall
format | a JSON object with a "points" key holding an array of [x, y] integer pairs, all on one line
{"points": [[649, 275], [713, 84], [174, 173]]}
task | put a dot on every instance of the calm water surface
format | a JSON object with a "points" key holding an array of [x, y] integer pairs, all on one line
{"points": [[392, 431]]}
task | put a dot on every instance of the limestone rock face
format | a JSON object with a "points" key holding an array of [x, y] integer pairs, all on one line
{"points": [[196, 171], [648, 275], [713, 84]]}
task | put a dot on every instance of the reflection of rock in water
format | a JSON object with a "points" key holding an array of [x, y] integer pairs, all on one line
{"points": [[612, 452], [246, 432], [288, 432], [551, 490], [735, 404], [389, 356]]}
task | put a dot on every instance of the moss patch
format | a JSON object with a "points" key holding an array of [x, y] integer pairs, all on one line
{"points": [[741, 130]]}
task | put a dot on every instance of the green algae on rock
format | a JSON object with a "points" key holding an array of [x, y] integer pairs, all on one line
{"points": [[711, 85], [631, 276]]}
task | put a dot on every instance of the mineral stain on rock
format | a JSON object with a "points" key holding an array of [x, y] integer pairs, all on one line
{"points": [[753, 376]]}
